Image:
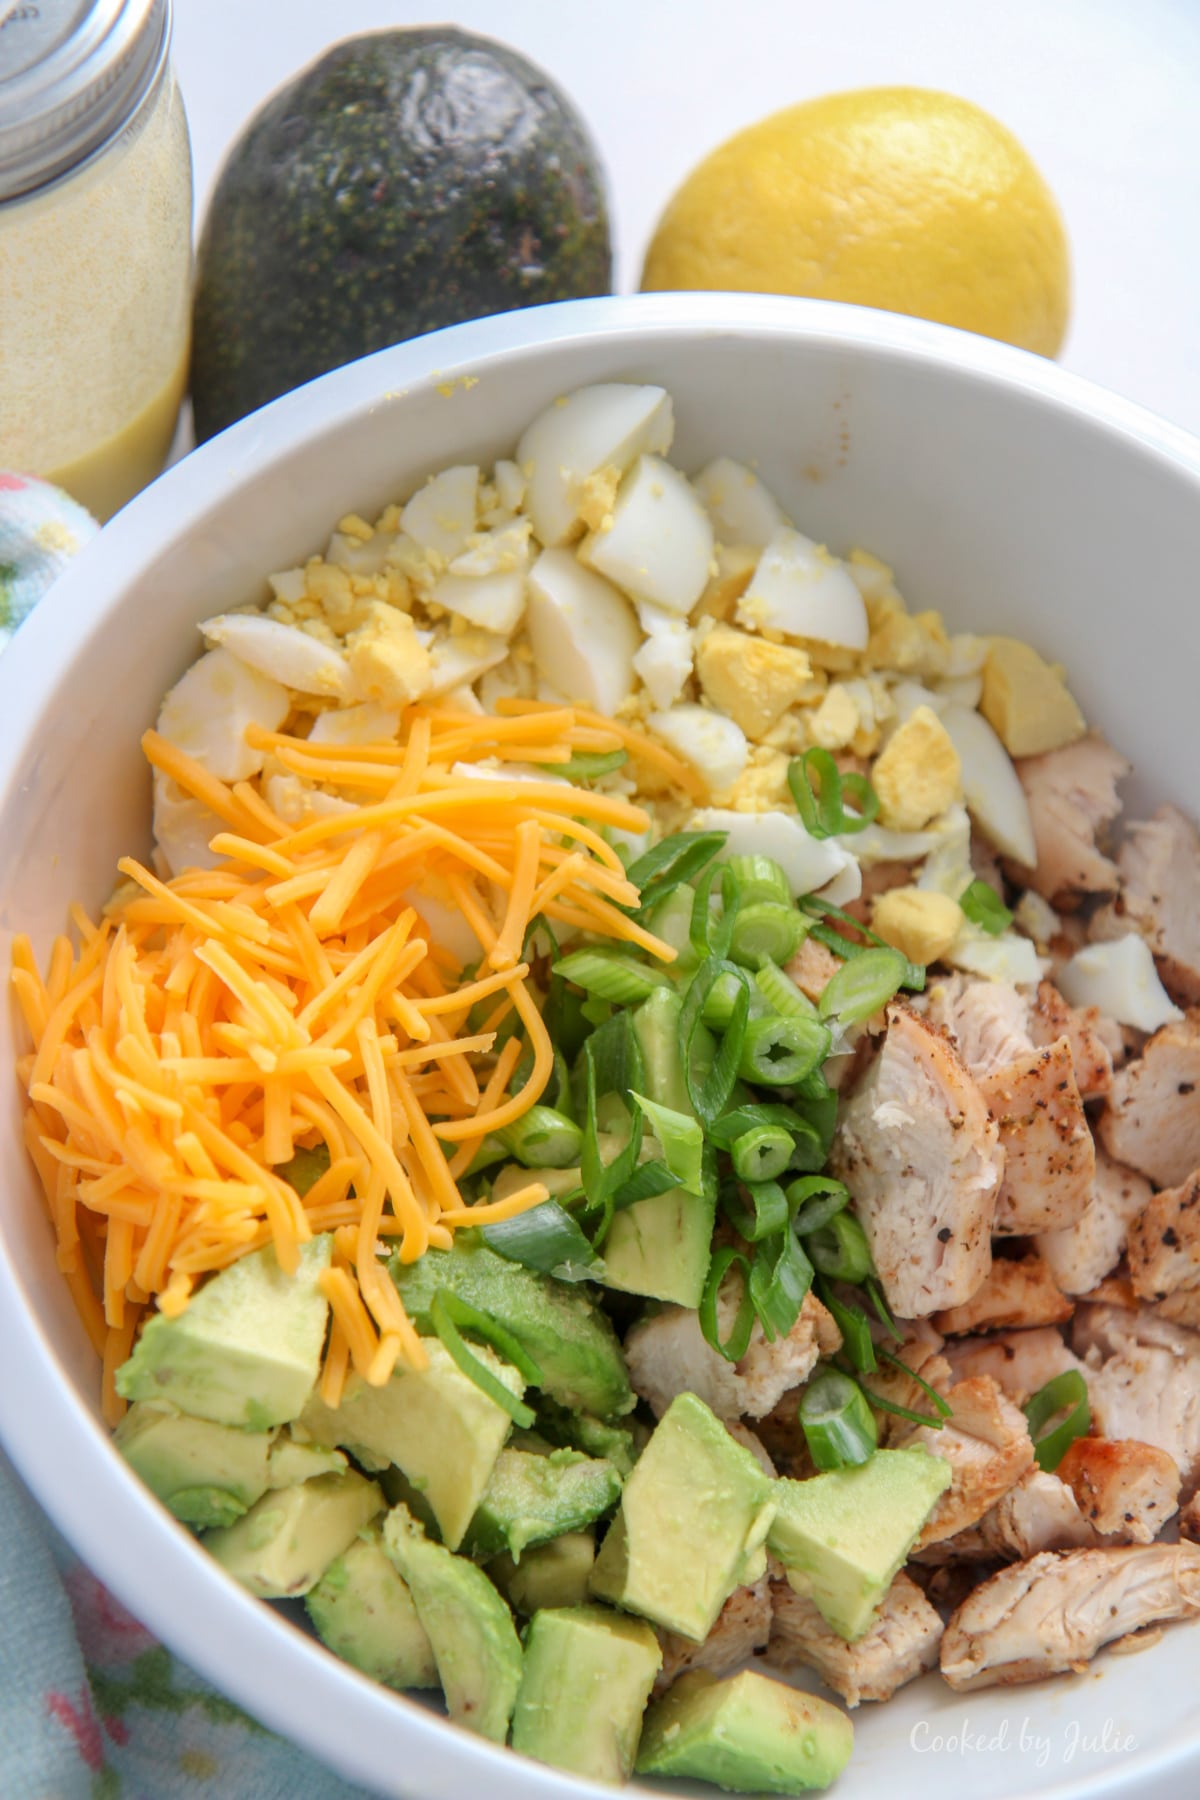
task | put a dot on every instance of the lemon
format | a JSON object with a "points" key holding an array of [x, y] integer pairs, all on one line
{"points": [[900, 198]]}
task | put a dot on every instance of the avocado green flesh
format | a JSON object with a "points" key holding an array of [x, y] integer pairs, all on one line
{"points": [[692, 1486], [531, 1499], [284, 1544], [554, 1574], [843, 1536], [618, 1444], [558, 1325], [247, 1351], [587, 1677], [661, 1247], [405, 181], [434, 1424], [207, 1475], [363, 1611], [474, 1640], [747, 1734]]}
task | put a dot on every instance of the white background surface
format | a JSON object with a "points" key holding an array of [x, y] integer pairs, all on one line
{"points": [[1105, 94]]}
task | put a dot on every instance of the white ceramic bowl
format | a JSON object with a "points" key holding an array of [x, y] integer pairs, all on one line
{"points": [[1006, 493]]}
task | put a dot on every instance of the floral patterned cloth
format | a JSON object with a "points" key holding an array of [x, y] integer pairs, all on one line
{"points": [[93, 1708]]}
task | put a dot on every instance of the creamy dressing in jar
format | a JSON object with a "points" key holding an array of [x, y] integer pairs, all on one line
{"points": [[95, 244]]}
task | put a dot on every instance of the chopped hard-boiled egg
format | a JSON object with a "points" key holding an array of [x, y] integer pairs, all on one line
{"points": [[657, 544], [798, 588], [461, 657], [441, 516], [809, 863], [918, 774], [207, 711], [991, 786], [183, 827], [664, 661], [582, 632], [492, 602], [369, 723], [611, 423], [282, 652], [388, 661], [1026, 700], [1120, 978], [713, 744], [742, 509], [749, 679], [920, 923]]}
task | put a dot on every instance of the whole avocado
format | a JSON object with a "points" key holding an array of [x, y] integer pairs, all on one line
{"points": [[406, 181]]}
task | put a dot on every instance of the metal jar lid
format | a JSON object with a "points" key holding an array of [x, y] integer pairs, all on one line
{"points": [[72, 75]]}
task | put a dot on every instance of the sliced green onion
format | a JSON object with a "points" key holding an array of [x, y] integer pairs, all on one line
{"points": [[840, 1249], [587, 765], [647, 1180], [450, 1316], [862, 985], [780, 1277], [1057, 1414], [492, 1150], [734, 1347], [671, 920], [611, 975], [838, 1424], [763, 1153], [818, 787], [725, 1130], [761, 878], [902, 1412], [766, 932], [766, 1213], [682, 1140], [545, 1238], [940, 1402], [984, 907], [543, 1139], [613, 1066], [819, 909], [819, 1104], [710, 1074], [668, 864], [722, 998], [853, 1324], [712, 927], [779, 1052], [780, 991], [816, 1199]]}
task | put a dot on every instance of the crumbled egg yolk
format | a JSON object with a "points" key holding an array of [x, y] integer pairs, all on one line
{"points": [[753, 682], [1026, 701], [921, 925], [918, 774], [387, 659]]}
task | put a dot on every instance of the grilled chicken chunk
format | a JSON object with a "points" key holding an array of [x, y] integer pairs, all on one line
{"points": [[1151, 1394], [742, 1626], [920, 1352], [1018, 1292], [1152, 1119], [986, 1442], [1127, 1490], [901, 1644], [1039, 1513], [1053, 1613], [667, 1355], [1049, 1155], [1081, 1255], [1019, 1362], [812, 968], [1164, 1242], [1159, 865], [988, 1020], [919, 1153], [1072, 796], [1094, 1038]]}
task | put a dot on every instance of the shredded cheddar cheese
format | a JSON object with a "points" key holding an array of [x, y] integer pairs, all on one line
{"points": [[187, 1044]]}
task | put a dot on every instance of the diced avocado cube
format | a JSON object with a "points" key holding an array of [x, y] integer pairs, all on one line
{"points": [[656, 1023], [661, 1247], [364, 1613], [555, 1322], [206, 1474], [285, 1543], [247, 1349], [549, 1575], [691, 1525], [291, 1462], [621, 1445], [843, 1536], [587, 1678], [531, 1498], [433, 1423], [475, 1643], [749, 1735]]}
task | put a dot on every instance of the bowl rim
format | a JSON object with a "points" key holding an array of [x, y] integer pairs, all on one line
{"points": [[59, 1448]]}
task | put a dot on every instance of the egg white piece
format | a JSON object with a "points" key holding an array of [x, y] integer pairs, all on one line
{"points": [[659, 546], [369, 723], [1006, 957], [991, 786], [810, 864], [283, 652], [583, 633], [441, 515], [460, 658], [492, 602], [495, 552], [443, 921], [183, 827], [664, 661], [742, 508], [207, 711], [1120, 978], [714, 745], [297, 802], [800, 589], [608, 425]]}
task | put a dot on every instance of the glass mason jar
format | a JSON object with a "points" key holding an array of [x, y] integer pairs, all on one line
{"points": [[95, 244]]}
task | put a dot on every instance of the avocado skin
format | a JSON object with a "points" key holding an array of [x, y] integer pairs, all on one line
{"points": [[405, 181]]}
